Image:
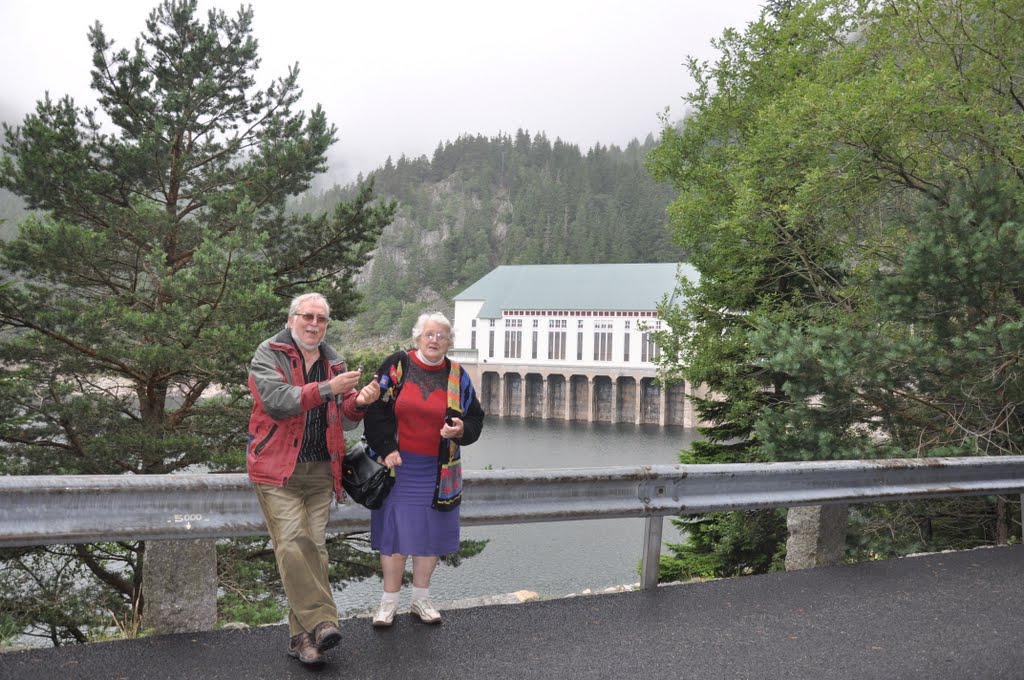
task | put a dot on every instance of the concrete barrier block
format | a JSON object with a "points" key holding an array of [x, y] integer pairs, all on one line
{"points": [[179, 586]]}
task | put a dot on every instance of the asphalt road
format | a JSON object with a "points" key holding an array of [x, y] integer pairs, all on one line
{"points": [[952, 616]]}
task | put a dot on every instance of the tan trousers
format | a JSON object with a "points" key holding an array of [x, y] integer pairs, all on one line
{"points": [[296, 516]]}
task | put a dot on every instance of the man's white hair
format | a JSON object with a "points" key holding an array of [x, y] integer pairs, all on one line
{"points": [[308, 297]]}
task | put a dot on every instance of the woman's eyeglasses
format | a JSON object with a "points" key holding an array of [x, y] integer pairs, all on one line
{"points": [[310, 318], [438, 336]]}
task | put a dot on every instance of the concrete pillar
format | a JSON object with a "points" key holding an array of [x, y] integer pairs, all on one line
{"points": [[545, 398], [590, 399], [567, 410], [817, 536], [690, 417], [522, 395], [179, 586], [637, 410], [615, 400], [662, 405], [500, 411]]}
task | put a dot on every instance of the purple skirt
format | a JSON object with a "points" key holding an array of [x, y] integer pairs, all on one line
{"points": [[405, 523]]}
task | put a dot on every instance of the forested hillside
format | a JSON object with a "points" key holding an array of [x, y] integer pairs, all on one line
{"points": [[482, 202]]}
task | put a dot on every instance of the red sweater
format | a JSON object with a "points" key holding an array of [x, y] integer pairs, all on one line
{"points": [[420, 409]]}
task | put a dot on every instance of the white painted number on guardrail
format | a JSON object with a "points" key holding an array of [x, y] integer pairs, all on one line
{"points": [[187, 519]]}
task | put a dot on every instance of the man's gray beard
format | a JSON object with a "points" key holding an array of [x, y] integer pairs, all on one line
{"points": [[301, 344]]}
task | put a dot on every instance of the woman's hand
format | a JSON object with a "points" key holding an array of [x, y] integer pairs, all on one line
{"points": [[453, 431], [392, 460]]}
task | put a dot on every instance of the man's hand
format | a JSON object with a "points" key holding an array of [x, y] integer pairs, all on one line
{"points": [[343, 382]]}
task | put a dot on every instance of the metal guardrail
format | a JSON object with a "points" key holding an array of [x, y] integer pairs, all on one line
{"points": [[42, 510]]}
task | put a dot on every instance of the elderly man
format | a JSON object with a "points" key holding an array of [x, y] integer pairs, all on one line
{"points": [[303, 399]]}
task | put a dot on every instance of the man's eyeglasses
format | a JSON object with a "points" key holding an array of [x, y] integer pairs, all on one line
{"points": [[310, 318], [439, 336]]}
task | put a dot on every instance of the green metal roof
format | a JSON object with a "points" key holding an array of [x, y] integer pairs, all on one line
{"points": [[612, 287]]}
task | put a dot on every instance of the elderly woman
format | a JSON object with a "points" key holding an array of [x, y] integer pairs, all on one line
{"points": [[427, 410]]}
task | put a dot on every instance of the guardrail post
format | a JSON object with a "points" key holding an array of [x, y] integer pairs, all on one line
{"points": [[652, 551], [179, 586]]}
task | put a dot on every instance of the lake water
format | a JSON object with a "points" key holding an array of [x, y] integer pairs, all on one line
{"points": [[552, 559]]}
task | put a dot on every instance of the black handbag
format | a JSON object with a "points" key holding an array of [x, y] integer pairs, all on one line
{"points": [[365, 480]]}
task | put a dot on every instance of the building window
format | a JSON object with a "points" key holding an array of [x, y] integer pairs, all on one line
{"points": [[472, 339], [579, 346], [490, 345], [533, 350], [627, 324], [556, 345], [625, 346], [513, 344], [536, 322], [603, 346], [473, 323], [579, 323], [649, 350], [603, 340], [513, 339]]}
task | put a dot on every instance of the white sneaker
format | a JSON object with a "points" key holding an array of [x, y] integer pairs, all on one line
{"points": [[425, 610], [385, 615]]}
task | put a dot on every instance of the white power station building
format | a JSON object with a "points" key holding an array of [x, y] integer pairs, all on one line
{"points": [[571, 341]]}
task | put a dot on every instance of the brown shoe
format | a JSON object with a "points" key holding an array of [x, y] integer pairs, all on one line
{"points": [[303, 648], [326, 635]]}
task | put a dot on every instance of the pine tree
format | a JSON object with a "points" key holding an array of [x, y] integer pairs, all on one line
{"points": [[160, 256]]}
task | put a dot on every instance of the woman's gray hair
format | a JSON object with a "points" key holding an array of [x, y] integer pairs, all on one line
{"points": [[436, 317], [297, 301]]}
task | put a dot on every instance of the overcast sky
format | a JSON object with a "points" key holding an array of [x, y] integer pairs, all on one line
{"points": [[398, 76]]}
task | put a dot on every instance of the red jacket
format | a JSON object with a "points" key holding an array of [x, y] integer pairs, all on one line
{"points": [[281, 398]]}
